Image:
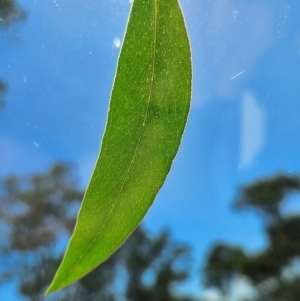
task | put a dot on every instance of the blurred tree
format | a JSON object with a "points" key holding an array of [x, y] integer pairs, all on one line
{"points": [[159, 258], [222, 264], [225, 262], [37, 214], [10, 12], [37, 210], [3, 89], [266, 196], [286, 290]]}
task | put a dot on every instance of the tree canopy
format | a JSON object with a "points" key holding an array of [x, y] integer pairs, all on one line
{"points": [[226, 262], [10, 12], [37, 215]]}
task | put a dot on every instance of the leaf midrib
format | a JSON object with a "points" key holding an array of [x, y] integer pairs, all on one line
{"points": [[139, 139]]}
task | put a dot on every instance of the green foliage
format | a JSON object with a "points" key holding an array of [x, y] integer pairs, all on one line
{"points": [[148, 111]]}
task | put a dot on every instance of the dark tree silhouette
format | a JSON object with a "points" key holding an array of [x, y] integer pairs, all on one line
{"points": [[158, 256], [283, 232], [38, 212], [266, 196], [223, 262], [3, 89], [35, 212], [10, 12]]}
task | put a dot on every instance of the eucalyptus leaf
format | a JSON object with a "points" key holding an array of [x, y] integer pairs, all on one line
{"points": [[148, 111]]}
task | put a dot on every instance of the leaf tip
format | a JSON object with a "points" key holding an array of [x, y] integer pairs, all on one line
{"points": [[51, 289], [48, 292]]}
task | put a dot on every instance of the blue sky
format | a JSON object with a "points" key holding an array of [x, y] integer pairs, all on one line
{"points": [[244, 122]]}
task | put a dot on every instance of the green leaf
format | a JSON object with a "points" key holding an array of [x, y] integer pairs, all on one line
{"points": [[148, 111]]}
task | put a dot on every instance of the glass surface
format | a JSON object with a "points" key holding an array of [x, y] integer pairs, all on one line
{"points": [[57, 65]]}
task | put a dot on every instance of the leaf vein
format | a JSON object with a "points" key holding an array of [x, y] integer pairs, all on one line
{"points": [[139, 139]]}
